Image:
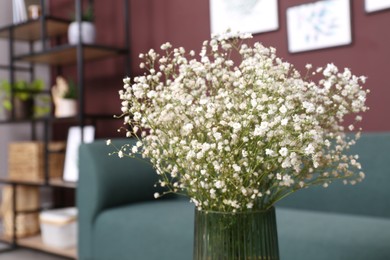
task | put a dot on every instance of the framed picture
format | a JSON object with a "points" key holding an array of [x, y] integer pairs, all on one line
{"points": [[318, 25], [71, 172], [376, 5], [246, 16]]}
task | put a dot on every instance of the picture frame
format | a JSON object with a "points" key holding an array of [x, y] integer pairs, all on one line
{"points": [[371, 6], [318, 25], [245, 16], [71, 173]]}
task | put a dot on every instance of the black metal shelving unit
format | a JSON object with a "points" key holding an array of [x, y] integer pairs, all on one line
{"points": [[43, 29]]}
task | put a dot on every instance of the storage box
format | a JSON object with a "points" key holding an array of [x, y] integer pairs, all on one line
{"points": [[27, 199], [26, 160], [59, 227], [27, 224]]}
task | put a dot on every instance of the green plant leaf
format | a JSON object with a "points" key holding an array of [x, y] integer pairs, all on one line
{"points": [[72, 91]]}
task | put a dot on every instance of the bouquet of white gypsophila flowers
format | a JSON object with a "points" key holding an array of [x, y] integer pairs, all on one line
{"points": [[239, 136]]}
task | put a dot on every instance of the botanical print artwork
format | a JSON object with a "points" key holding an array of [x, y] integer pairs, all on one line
{"points": [[376, 5], [319, 25], [251, 16]]}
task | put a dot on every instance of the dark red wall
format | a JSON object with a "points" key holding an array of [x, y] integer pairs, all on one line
{"points": [[186, 23]]}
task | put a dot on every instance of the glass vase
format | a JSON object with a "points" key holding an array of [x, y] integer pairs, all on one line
{"points": [[227, 236]]}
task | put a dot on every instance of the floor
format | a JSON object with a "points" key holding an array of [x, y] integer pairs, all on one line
{"points": [[26, 254]]}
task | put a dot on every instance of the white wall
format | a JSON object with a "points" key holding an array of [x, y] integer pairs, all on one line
{"points": [[20, 131]]}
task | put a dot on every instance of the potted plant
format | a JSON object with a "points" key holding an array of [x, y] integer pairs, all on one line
{"points": [[65, 98], [23, 93], [236, 135], [88, 31], [4, 112]]}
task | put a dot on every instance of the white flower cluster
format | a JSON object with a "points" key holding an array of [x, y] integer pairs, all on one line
{"points": [[237, 136]]}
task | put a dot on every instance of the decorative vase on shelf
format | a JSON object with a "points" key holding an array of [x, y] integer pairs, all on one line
{"points": [[88, 32], [65, 107], [247, 235], [64, 98]]}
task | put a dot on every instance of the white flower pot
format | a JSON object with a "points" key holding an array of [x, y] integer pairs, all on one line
{"points": [[88, 33], [65, 107]]}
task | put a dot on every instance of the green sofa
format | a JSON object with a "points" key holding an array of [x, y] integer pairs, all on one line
{"points": [[119, 218]]}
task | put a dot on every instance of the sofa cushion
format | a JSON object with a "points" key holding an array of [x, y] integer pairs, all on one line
{"points": [[163, 229], [319, 235], [153, 230]]}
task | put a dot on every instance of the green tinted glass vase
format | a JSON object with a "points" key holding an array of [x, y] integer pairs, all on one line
{"points": [[236, 236]]}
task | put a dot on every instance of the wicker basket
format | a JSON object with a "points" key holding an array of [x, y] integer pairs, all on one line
{"points": [[27, 224], [27, 199], [26, 160]]}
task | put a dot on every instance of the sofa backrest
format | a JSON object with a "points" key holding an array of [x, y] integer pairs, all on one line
{"points": [[117, 180], [370, 197], [121, 181]]}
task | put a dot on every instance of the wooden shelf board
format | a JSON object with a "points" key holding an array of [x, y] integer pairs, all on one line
{"points": [[6, 239], [62, 183], [31, 29], [88, 117], [67, 54], [22, 121], [6, 180], [52, 182], [35, 242], [17, 68]]}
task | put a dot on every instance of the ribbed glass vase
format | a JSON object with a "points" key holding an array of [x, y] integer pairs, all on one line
{"points": [[236, 236]]}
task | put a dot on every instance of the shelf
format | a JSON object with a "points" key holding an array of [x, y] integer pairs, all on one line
{"points": [[36, 120], [51, 30], [63, 184], [5, 239], [60, 183], [6, 180], [87, 117], [67, 54], [21, 121], [35, 242], [31, 29], [18, 68]]}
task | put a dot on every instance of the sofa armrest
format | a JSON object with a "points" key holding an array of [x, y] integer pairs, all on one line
{"points": [[108, 181]]}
